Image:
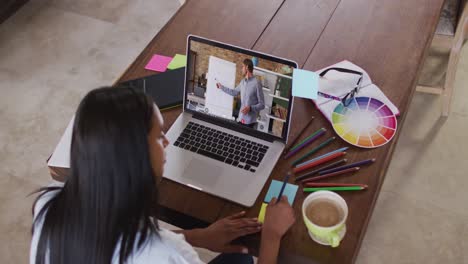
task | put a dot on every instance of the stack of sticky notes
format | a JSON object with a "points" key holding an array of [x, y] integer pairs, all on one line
{"points": [[305, 84], [160, 63], [290, 191], [178, 61]]}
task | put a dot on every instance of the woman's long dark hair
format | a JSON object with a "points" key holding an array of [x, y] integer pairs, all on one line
{"points": [[110, 194]]}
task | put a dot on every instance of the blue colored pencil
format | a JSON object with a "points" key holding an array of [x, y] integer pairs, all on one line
{"points": [[344, 167], [319, 147], [322, 156], [285, 181], [318, 134]]}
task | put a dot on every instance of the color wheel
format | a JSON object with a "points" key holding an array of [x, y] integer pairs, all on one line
{"points": [[365, 122]]}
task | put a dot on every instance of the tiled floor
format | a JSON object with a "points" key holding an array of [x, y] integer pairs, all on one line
{"points": [[53, 51]]}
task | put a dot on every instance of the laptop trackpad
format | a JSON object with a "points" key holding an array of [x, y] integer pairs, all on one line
{"points": [[202, 173]]}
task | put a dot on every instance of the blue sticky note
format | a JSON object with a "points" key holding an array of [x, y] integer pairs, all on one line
{"points": [[275, 187], [305, 84]]}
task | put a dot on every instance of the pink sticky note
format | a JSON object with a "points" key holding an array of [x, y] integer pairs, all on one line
{"points": [[158, 63]]}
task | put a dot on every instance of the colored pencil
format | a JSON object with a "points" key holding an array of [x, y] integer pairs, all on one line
{"points": [[329, 184], [322, 156], [350, 188], [336, 173], [326, 167], [305, 139], [318, 162], [317, 148], [356, 164], [298, 136], [311, 139], [285, 181]]}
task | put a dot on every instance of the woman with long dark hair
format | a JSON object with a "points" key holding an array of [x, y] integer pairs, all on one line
{"points": [[106, 211]]}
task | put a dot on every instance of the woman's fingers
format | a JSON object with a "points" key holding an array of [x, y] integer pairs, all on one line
{"points": [[237, 215], [247, 231], [246, 222], [284, 198], [273, 201]]}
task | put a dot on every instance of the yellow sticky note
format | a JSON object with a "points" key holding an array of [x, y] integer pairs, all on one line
{"points": [[178, 61], [261, 215]]}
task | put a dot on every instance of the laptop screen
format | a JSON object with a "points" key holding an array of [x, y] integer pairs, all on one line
{"points": [[244, 87]]}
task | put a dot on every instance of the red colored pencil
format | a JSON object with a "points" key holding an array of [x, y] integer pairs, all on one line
{"points": [[329, 184], [332, 174], [318, 162]]}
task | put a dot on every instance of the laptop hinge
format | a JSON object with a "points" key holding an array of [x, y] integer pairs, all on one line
{"points": [[235, 127]]}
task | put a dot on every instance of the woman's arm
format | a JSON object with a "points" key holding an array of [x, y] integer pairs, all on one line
{"points": [[193, 236], [219, 235], [279, 217], [269, 248]]}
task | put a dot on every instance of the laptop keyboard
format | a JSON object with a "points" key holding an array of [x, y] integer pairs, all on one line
{"points": [[218, 145]]}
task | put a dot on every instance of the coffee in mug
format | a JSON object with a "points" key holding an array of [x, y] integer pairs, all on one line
{"points": [[324, 214]]}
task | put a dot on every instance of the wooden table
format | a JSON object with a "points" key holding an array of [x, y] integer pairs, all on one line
{"points": [[389, 39]]}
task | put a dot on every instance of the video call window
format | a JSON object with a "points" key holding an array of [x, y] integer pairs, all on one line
{"points": [[250, 91]]}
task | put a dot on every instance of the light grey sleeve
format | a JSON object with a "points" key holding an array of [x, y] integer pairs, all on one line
{"points": [[261, 100], [232, 92]]}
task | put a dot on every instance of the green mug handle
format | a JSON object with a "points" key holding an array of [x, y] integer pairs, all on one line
{"points": [[334, 239]]}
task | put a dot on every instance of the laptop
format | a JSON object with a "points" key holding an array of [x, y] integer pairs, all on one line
{"points": [[214, 146]]}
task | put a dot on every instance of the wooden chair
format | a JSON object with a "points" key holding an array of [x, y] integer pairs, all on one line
{"points": [[450, 37]]}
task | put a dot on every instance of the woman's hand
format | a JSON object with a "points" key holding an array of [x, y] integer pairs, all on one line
{"points": [[279, 217], [219, 235]]}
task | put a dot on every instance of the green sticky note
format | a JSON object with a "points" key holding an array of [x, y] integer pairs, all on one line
{"points": [[275, 187], [261, 215], [178, 61]]}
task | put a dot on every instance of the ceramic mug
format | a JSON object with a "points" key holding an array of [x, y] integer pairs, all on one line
{"points": [[331, 235]]}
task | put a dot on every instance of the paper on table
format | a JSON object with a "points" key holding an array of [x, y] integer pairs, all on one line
{"points": [[158, 63], [61, 156], [178, 61], [339, 84], [305, 84], [261, 215], [290, 191]]}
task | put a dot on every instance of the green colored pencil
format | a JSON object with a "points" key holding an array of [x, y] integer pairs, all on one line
{"points": [[351, 188], [323, 144], [307, 138]]}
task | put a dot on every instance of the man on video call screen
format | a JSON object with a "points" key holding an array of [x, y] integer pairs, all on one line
{"points": [[248, 91], [251, 94]]}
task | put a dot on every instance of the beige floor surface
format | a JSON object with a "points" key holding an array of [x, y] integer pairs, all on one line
{"points": [[53, 51]]}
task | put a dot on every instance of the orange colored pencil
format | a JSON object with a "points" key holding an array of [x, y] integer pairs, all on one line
{"points": [[318, 162], [329, 184], [336, 173]]}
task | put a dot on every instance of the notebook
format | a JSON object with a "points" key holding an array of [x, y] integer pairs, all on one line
{"points": [[339, 84], [166, 89]]}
